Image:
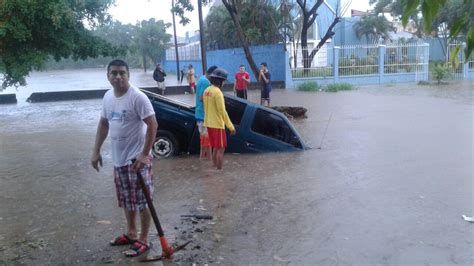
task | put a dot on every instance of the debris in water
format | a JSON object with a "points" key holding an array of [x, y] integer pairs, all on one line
{"points": [[467, 218], [107, 260], [104, 222], [277, 258], [36, 244], [198, 216]]}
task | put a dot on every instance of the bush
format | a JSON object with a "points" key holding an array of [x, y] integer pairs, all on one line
{"points": [[339, 87], [309, 86], [441, 71]]}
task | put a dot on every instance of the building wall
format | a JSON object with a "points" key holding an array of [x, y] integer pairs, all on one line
{"points": [[437, 51], [325, 16], [345, 33]]}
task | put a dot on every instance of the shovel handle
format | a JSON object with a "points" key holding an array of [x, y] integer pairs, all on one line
{"points": [[150, 204]]}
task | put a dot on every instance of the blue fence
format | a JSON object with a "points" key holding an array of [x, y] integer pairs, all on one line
{"points": [[231, 59], [369, 64]]}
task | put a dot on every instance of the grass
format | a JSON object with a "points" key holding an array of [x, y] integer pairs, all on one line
{"points": [[339, 87], [314, 86], [309, 86]]}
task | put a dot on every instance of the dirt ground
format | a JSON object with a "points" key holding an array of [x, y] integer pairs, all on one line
{"points": [[388, 186]]}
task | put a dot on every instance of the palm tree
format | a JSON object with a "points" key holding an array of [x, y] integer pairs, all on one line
{"points": [[373, 28]]}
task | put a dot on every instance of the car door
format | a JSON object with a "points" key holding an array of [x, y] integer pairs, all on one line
{"points": [[236, 110], [271, 131]]}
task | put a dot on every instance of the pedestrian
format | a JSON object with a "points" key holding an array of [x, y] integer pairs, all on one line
{"points": [[266, 78], [159, 76], [216, 118], [191, 78], [202, 84], [242, 78], [128, 117]]}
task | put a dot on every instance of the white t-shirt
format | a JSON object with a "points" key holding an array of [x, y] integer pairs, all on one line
{"points": [[127, 130]]}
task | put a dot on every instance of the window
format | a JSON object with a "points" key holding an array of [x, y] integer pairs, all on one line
{"points": [[275, 127], [235, 110]]}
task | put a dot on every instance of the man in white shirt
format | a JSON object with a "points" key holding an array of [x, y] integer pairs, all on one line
{"points": [[128, 116]]}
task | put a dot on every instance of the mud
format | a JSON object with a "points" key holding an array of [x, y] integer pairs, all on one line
{"points": [[389, 185]]}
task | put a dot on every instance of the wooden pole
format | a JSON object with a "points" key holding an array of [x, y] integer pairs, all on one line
{"points": [[202, 39], [178, 73]]}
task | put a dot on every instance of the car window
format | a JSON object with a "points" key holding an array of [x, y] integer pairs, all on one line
{"points": [[273, 126], [235, 110]]}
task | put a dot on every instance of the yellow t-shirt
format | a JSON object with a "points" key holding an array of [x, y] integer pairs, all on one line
{"points": [[215, 115]]}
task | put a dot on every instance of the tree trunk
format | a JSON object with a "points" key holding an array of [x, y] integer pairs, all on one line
{"points": [[329, 34], [235, 15], [304, 45], [295, 54]]}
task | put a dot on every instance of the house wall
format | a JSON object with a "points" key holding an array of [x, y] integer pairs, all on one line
{"points": [[345, 33]]}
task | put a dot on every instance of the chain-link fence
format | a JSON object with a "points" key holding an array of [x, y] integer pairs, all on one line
{"points": [[187, 52]]}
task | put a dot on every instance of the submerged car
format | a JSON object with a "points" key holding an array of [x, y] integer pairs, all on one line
{"points": [[258, 128]]}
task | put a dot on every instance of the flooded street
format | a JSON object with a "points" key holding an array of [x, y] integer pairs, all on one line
{"points": [[389, 185]]}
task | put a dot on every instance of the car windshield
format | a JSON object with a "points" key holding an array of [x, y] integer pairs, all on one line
{"points": [[275, 127]]}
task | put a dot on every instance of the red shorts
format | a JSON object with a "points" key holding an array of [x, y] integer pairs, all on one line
{"points": [[217, 137], [192, 85], [204, 141]]}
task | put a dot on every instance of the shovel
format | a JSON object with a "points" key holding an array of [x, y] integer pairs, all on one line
{"points": [[167, 250]]}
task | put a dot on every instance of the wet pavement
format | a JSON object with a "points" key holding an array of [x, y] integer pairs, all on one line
{"points": [[389, 185]]}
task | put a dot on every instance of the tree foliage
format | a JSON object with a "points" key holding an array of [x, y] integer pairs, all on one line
{"points": [[220, 29], [151, 39], [142, 44], [373, 27], [455, 17], [430, 9], [32, 31], [234, 9]]}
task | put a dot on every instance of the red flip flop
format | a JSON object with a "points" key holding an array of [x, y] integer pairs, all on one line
{"points": [[122, 241], [136, 249]]}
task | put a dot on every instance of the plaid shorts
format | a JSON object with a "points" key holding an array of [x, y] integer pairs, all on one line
{"points": [[129, 193]]}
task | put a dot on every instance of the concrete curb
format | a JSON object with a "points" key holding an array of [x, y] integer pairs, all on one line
{"points": [[54, 96], [8, 98]]}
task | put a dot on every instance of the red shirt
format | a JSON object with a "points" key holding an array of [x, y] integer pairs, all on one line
{"points": [[241, 83]]}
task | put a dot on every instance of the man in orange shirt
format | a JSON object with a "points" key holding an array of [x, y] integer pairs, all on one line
{"points": [[216, 118]]}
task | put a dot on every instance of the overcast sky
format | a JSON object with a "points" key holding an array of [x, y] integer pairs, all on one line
{"points": [[131, 11]]}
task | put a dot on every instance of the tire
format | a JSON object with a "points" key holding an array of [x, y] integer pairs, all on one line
{"points": [[165, 145]]}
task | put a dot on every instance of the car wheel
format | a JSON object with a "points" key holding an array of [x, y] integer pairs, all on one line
{"points": [[165, 145]]}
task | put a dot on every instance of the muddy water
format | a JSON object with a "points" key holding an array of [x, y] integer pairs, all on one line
{"points": [[80, 79], [389, 185]]}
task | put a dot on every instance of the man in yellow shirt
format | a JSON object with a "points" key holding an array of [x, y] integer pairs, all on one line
{"points": [[216, 118]]}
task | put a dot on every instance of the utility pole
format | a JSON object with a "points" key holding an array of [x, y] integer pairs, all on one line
{"points": [[175, 41], [201, 39]]}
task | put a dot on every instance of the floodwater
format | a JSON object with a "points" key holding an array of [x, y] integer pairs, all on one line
{"points": [[389, 185]]}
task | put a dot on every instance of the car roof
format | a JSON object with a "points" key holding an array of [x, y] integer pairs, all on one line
{"points": [[255, 105]]}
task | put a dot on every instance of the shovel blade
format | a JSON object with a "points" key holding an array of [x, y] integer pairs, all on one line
{"points": [[151, 258]]}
